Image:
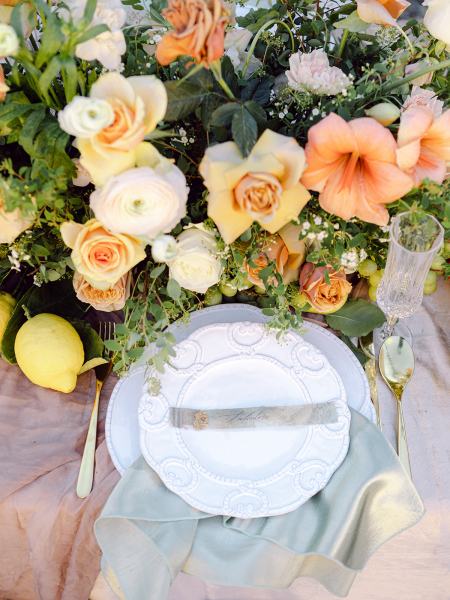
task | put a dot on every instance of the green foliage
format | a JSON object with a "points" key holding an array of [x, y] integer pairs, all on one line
{"points": [[356, 318]]}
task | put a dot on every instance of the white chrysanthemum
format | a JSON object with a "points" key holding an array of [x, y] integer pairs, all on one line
{"points": [[107, 47], [235, 44], [9, 42], [312, 73]]}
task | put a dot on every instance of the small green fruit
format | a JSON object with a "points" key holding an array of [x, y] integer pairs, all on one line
{"points": [[213, 296], [375, 278], [367, 267], [228, 289], [372, 293]]}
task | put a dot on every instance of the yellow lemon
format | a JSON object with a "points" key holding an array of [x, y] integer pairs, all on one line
{"points": [[7, 304], [50, 352]]}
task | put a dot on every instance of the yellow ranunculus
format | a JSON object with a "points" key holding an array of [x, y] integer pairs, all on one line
{"points": [[138, 104], [264, 187], [100, 256]]}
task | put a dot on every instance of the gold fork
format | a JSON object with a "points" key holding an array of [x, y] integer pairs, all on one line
{"points": [[86, 473]]}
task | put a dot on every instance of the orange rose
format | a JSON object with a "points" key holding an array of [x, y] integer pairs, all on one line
{"points": [[113, 298], [100, 256], [3, 87], [199, 30], [325, 298], [285, 250]]}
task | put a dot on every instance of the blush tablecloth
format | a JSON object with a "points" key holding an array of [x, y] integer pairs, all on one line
{"points": [[47, 547]]}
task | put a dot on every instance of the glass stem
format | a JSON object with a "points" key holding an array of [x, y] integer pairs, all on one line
{"points": [[389, 326]]}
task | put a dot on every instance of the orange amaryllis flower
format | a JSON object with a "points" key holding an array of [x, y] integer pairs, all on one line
{"points": [[424, 143], [381, 12], [353, 166], [199, 31]]}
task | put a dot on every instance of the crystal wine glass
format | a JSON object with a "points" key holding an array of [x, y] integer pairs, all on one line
{"points": [[415, 238]]}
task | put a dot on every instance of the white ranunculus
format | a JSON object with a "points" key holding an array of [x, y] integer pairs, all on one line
{"points": [[196, 266], [84, 117], [9, 42], [143, 202], [164, 248], [107, 47], [437, 19]]}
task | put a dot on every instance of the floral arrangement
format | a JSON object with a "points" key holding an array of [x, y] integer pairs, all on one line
{"points": [[160, 157]]}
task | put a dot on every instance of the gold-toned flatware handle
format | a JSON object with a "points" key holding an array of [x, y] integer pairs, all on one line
{"points": [[86, 473], [371, 373], [402, 442]]}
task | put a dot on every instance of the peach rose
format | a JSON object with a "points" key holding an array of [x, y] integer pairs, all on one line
{"points": [[199, 31], [381, 12], [325, 298], [285, 250], [264, 187], [137, 105], [100, 256], [3, 87], [113, 298]]}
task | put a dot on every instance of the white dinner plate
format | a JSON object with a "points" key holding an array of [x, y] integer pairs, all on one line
{"points": [[250, 472], [122, 426]]}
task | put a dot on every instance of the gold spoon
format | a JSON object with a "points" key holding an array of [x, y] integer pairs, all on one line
{"points": [[367, 346], [396, 362]]}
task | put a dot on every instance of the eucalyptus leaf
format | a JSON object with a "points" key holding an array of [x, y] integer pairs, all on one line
{"points": [[173, 289], [352, 23], [356, 318]]}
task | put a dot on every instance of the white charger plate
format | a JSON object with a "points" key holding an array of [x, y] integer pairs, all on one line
{"points": [[122, 425], [244, 473]]}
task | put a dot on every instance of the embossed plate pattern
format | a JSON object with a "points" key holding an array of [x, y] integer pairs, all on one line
{"points": [[247, 472], [122, 428]]}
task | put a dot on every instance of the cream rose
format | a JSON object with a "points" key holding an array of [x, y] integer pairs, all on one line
{"points": [[196, 266], [12, 224], [100, 256], [9, 42], [138, 104], [144, 201], [437, 19], [113, 298], [164, 248], [263, 187]]}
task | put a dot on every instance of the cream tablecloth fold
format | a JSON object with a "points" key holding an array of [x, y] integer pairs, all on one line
{"points": [[148, 534]]}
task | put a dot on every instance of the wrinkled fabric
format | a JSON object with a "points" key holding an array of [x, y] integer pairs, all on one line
{"points": [[48, 550], [148, 534]]}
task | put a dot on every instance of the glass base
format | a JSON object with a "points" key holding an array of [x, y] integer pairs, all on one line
{"points": [[398, 328]]}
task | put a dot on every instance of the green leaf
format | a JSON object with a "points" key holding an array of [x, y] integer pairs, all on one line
{"points": [[183, 99], [356, 318], [157, 271], [92, 33], [244, 130], [92, 343], [12, 110], [356, 351], [50, 42], [30, 129], [173, 289], [16, 321], [50, 73], [352, 23], [223, 115], [258, 113], [70, 78], [89, 10]]}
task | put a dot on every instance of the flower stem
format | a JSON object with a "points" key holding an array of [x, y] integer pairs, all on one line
{"points": [[342, 44], [388, 87], [216, 70], [260, 31]]}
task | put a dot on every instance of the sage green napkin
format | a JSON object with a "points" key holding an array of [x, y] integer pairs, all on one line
{"points": [[148, 534]]}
